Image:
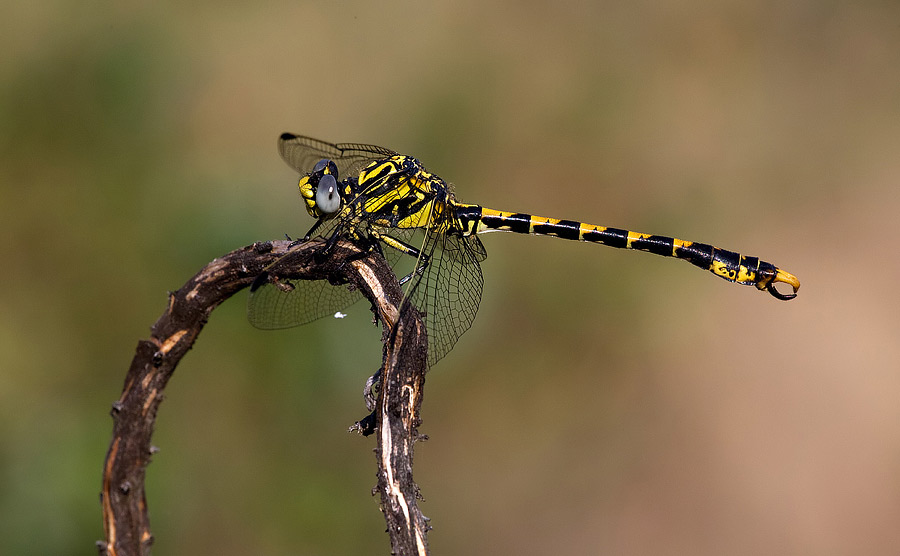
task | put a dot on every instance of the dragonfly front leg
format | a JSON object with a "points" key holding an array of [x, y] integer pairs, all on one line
{"points": [[308, 235]]}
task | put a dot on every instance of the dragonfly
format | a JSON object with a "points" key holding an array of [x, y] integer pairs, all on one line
{"points": [[384, 200]]}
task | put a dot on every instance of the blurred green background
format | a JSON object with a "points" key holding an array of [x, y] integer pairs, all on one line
{"points": [[604, 401]]}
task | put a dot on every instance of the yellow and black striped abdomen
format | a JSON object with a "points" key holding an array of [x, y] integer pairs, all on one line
{"points": [[729, 265]]}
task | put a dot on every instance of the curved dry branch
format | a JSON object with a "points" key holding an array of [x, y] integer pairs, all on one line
{"points": [[125, 512]]}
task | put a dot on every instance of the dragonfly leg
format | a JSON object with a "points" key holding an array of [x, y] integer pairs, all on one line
{"points": [[397, 244], [311, 231], [366, 425], [419, 270], [322, 253], [261, 280], [406, 249], [304, 239]]}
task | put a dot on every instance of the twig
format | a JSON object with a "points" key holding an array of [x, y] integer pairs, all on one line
{"points": [[125, 512]]}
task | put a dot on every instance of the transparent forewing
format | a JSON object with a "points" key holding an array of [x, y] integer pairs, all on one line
{"points": [[295, 302], [301, 153], [285, 304], [449, 289]]}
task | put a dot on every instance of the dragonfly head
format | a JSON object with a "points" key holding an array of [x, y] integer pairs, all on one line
{"points": [[320, 189]]}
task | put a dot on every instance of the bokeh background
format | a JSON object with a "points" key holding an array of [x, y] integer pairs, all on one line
{"points": [[604, 401]]}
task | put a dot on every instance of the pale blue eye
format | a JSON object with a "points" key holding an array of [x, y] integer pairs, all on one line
{"points": [[328, 199]]}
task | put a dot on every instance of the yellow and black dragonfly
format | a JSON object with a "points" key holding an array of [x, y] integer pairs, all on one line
{"points": [[377, 197]]}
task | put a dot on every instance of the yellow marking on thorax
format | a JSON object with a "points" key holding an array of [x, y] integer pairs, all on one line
{"points": [[425, 217], [405, 188], [370, 171]]}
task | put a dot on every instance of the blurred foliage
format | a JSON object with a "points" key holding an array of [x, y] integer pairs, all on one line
{"points": [[604, 402]]}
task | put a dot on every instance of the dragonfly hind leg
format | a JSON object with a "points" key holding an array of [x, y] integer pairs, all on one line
{"points": [[406, 249]]}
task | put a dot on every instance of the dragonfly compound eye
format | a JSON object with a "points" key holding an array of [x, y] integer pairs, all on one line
{"points": [[325, 166], [328, 199]]}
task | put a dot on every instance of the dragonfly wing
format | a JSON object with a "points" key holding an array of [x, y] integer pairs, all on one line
{"points": [[301, 153], [448, 289], [283, 303], [291, 303]]}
